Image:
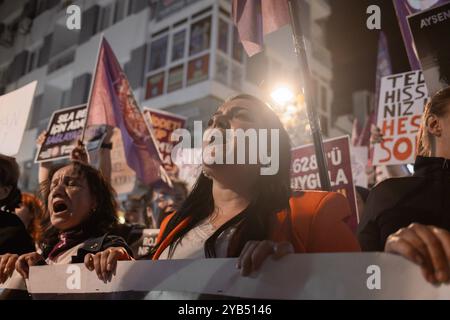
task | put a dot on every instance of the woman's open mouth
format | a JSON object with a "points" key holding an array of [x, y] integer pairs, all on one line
{"points": [[59, 206]]}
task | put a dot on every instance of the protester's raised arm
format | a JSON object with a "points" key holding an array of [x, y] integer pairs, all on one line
{"points": [[105, 166], [44, 167]]}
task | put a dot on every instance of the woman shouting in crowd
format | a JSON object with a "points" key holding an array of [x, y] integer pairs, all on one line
{"points": [[234, 211], [82, 209]]}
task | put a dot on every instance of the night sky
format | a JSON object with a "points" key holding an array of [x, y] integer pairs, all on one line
{"points": [[354, 47]]}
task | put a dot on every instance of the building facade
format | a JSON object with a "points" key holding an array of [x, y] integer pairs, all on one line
{"points": [[183, 56]]}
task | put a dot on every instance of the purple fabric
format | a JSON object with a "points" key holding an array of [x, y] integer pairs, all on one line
{"points": [[256, 18], [112, 102]]}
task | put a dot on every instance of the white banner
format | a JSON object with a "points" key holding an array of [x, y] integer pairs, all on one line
{"points": [[301, 276], [15, 108], [402, 100], [360, 157]]}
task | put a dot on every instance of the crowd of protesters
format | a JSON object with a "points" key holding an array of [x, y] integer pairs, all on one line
{"points": [[232, 210]]}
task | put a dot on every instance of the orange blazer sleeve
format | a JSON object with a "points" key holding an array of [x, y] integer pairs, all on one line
{"points": [[318, 219]]}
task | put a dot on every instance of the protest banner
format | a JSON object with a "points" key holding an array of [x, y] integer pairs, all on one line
{"points": [[163, 124], [405, 8], [349, 276], [145, 244], [305, 173], [64, 130], [15, 109], [431, 34], [123, 178], [14, 288], [360, 159], [402, 100]]}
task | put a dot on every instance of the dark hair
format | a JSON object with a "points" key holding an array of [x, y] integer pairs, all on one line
{"points": [[363, 192], [102, 220], [438, 106], [271, 195], [9, 176]]}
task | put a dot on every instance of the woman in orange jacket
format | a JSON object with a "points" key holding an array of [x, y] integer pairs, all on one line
{"points": [[236, 211]]}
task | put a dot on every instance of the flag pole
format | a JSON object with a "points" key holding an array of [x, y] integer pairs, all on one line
{"points": [[88, 106], [305, 76]]}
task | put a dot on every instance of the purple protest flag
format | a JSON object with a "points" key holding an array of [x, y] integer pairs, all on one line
{"points": [[405, 8], [112, 103], [256, 18], [384, 67]]}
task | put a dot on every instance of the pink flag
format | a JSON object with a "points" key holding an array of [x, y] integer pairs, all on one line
{"points": [[112, 103], [256, 18]]}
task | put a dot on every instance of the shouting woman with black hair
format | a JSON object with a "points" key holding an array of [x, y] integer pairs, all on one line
{"points": [[81, 207]]}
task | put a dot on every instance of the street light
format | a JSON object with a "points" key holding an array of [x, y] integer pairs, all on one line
{"points": [[282, 95]]}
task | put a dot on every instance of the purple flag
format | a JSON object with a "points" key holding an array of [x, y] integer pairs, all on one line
{"points": [[112, 103], [256, 18], [405, 8]]}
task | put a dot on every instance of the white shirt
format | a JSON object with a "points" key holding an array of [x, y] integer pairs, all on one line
{"points": [[193, 243]]}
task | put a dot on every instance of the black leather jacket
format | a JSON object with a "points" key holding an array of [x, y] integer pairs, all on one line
{"points": [[396, 203], [14, 238], [95, 245]]}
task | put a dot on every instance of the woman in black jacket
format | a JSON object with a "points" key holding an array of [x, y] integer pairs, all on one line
{"points": [[81, 207], [13, 235], [423, 199]]}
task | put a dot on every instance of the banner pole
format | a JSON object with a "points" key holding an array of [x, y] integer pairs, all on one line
{"points": [[305, 77], [88, 106]]}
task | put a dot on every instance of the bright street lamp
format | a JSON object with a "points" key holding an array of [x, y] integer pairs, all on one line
{"points": [[282, 95]]}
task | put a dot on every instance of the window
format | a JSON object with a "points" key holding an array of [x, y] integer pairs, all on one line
{"points": [[315, 89], [257, 68], [323, 100], [324, 125], [200, 36], [105, 19], [238, 52], [119, 10], [198, 70], [236, 77], [222, 44], [33, 60], [158, 53], [175, 79], [155, 85], [135, 6], [178, 45], [221, 69]]}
